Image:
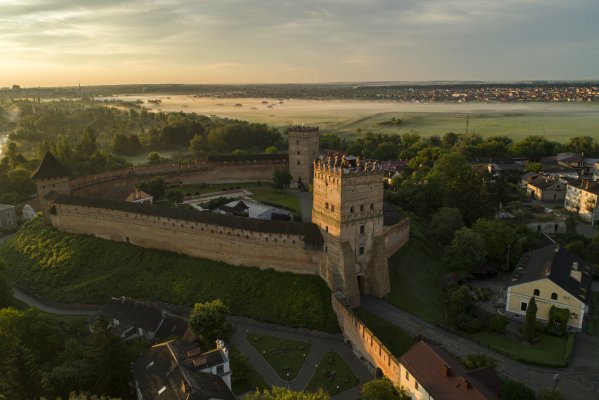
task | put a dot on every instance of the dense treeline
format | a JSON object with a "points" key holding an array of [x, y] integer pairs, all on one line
{"points": [[51, 357]]}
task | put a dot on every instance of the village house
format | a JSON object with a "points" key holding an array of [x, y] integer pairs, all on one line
{"points": [[31, 208], [179, 370], [392, 169], [139, 196], [556, 278], [596, 172], [428, 372], [253, 209], [138, 319], [581, 198], [546, 189], [8, 216]]}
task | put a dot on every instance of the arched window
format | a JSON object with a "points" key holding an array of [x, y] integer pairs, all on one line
{"points": [[537, 292], [553, 296]]}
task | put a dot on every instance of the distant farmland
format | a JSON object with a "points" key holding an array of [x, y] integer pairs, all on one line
{"points": [[556, 121]]}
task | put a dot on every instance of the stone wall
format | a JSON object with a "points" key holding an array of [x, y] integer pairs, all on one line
{"points": [[201, 171], [396, 236], [365, 345], [279, 251]]}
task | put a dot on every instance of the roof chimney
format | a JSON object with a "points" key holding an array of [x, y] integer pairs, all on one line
{"points": [[468, 384], [446, 370], [575, 266]]}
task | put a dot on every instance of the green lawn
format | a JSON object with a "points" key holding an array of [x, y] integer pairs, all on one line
{"points": [[332, 375], [550, 351], [264, 193], [395, 339], [285, 356], [415, 272], [244, 378], [593, 323], [72, 268]]}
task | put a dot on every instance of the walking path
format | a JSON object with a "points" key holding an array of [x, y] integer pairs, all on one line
{"points": [[320, 344], [579, 381]]}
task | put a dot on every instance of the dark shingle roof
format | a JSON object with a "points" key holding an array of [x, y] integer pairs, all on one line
{"points": [[555, 263], [139, 314], [163, 368], [542, 182], [310, 232], [50, 167]]}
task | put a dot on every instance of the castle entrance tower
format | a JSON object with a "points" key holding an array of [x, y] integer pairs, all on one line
{"points": [[348, 208], [303, 150], [50, 176]]}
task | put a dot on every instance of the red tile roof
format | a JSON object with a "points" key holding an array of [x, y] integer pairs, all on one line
{"points": [[442, 376]]}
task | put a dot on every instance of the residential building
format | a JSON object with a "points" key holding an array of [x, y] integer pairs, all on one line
{"points": [[30, 209], [139, 196], [134, 318], [392, 169], [8, 216], [253, 209], [581, 197], [546, 189], [596, 172], [179, 370], [428, 372], [556, 278]]}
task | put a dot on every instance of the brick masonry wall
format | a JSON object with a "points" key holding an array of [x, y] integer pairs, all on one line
{"points": [[365, 344], [281, 252]]}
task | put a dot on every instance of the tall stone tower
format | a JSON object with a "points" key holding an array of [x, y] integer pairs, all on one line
{"points": [[348, 208], [303, 150], [50, 176]]}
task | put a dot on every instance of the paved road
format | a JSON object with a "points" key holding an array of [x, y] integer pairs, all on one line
{"points": [[580, 381], [54, 308], [319, 345]]}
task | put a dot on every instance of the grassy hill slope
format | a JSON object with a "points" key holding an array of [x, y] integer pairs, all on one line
{"points": [[84, 269]]}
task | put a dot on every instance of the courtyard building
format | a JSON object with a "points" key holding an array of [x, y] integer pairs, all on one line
{"points": [[582, 198]]}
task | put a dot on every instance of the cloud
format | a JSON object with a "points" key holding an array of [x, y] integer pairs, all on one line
{"points": [[306, 40]]}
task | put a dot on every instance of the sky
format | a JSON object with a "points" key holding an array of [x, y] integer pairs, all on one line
{"points": [[89, 42]]}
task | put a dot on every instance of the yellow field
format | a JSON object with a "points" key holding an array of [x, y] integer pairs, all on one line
{"points": [[556, 121]]}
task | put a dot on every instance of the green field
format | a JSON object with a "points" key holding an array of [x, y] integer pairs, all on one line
{"points": [[556, 121], [82, 269], [285, 356], [333, 375], [550, 351]]}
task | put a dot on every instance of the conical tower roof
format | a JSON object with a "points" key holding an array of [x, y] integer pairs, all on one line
{"points": [[50, 167]]}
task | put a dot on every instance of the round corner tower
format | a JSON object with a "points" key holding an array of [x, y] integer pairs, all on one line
{"points": [[304, 142]]}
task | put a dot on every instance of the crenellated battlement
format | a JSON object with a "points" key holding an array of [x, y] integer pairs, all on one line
{"points": [[342, 168], [303, 131]]}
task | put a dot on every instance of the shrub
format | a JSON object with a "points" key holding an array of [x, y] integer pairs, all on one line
{"points": [[498, 324]]}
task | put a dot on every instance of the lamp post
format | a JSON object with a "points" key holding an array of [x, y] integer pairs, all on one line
{"points": [[555, 381]]}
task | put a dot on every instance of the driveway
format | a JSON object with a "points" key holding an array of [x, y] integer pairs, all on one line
{"points": [[579, 381]]}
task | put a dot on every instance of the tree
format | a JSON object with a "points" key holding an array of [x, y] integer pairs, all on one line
{"points": [[479, 360], [459, 309], [467, 250], [498, 235], [21, 377], [533, 166], [550, 394], [512, 390], [154, 187], [445, 223], [383, 389], [110, 360], [209, 321], [174, 195], [281, 178], [279, 393], [530, 321], [271, 150], [5, 290], [498, 324]]}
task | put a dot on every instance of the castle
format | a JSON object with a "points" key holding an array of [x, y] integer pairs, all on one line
{"points": [[348, 242]]}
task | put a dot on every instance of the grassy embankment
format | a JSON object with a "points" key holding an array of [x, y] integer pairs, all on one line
{"points": [[394, 338], [82, 269]]}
